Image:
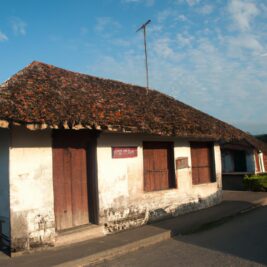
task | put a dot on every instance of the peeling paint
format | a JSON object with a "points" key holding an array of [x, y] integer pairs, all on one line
{"points": [[31, 190], [122, 219], [123, 204]]}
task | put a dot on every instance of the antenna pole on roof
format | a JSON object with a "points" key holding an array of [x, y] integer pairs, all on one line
{"points": [[143, 27]]}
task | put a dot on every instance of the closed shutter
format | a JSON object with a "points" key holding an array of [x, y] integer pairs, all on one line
{"points": [[202, 162], [158, 166]]}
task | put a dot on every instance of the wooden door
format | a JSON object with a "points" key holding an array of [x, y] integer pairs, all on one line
{"points": [[158, 166], [70, 182], [201, 157]]}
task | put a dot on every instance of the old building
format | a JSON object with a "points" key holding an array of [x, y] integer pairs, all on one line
{"points": [[242, 157], [77, 150]]}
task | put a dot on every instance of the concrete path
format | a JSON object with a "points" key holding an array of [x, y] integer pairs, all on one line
{"points": [[118, 244], [255, 198], [227, 244]]}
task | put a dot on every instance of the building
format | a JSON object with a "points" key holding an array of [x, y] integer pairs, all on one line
{"points": [[77, 150]]}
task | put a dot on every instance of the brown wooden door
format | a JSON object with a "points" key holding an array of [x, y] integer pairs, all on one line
{"points": [[158, 166], [70, 182], [201, 156]]}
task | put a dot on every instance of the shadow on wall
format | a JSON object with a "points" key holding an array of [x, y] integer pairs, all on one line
{"points": [[4, 189], [23, 137]]}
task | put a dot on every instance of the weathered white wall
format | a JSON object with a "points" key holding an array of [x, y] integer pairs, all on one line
{"points": [[31, 189], [260, 155], [122, 200], [4, 181]]}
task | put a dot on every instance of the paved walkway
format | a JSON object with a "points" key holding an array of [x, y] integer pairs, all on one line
{"points": [[118, 244], [256, 198]]}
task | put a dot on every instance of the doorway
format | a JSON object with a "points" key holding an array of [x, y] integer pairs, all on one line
{"points": [[74, 177]]}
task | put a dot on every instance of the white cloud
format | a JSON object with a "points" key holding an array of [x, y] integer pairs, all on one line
{"points": [[18, 26], [243, 12], [189, 2], [182, 17], [245, 41], [164, 14], [162, 47], [146, 2], [3, 37], [105, 23], [192, 2], [170, 14], [121, 42], [206, 9], [184, 39]]}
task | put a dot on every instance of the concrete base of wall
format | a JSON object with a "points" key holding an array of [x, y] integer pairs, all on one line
{"points": [[94, 231], [79, 234], [143, 216], [65, 238]]}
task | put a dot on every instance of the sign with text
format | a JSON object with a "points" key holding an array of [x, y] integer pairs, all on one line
{"points": [[124, 152]]}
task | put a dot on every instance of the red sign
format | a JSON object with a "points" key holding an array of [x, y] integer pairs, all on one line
{"points": [[124, 152]]}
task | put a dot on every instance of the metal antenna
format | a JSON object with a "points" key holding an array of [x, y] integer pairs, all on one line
{"points": [[144, 29]]}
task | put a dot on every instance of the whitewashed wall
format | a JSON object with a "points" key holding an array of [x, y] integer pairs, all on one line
{"points": [[4, 181], [123, 202], [31, 189], [262, 168]]}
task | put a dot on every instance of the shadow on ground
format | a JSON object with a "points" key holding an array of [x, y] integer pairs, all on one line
{"points": [[244, 236]]}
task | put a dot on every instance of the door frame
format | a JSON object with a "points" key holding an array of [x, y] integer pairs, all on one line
{"points": [[90, 143]]}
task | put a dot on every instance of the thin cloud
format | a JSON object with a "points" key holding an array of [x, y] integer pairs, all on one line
{"points": [[3, 37], [192, 2], [243, 13], [245, 41], [146, 2], [18, 26], [206, 9], [105, 23]]}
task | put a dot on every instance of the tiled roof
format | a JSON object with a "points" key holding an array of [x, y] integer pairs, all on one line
{"points": [[44, 96]]}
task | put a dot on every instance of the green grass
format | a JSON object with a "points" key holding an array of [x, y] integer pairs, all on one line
{"points": [[256, 182]]}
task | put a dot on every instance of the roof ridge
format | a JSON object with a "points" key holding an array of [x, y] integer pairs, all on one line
{"points": [[40, 63]]}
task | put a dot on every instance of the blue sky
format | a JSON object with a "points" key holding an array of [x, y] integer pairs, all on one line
{"points": [[209, 54]]}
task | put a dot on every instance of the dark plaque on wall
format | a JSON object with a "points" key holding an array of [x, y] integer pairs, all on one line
{"points": [[124, 152], [181, 163]]}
